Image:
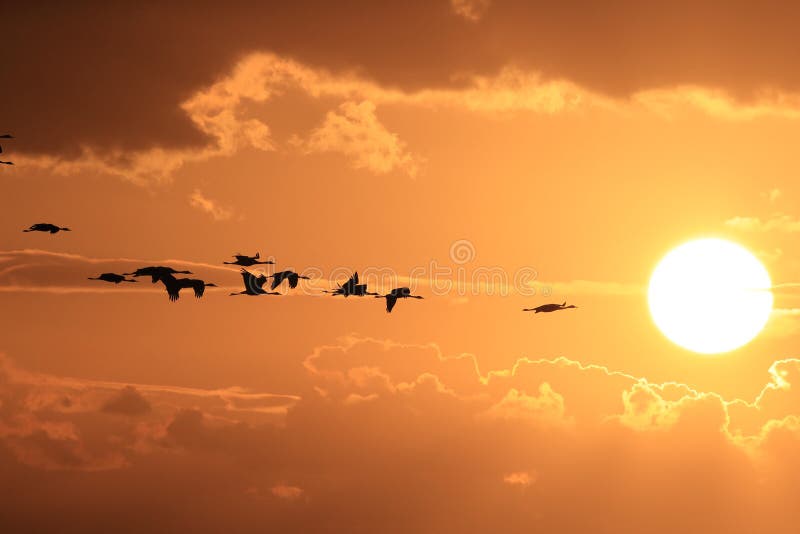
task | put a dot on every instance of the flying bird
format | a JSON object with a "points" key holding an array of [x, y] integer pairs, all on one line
{"points": [[394, 294], [174, 286], [46, 227], [351, 287], [247, 261], [6, 136], [113, 278], [291, 276], [547, 308], [156, 273], [254, 285]]}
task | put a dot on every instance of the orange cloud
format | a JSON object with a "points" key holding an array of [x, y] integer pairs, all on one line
{"points": [[354, 130], [198, 200]]}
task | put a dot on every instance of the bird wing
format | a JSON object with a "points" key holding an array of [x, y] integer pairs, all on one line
{"points": [[199, 287], [391, 300], [293, 279], [276, 280], [173, 288], [250, 281]]}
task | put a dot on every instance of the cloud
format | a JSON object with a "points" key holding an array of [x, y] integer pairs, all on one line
{"points": [[127, 402], [437, 443], [204, 204], [471, 10], [228, 114], [773, 194], [520, 478], [286, 492], [354, 130], [778, 222], [35, 270]]}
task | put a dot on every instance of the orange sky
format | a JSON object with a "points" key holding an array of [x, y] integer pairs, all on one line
{"points": [[573, 146]]}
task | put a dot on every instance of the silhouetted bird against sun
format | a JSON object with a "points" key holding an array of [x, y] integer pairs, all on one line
{"points": [[247, 261], [6, 136], [291, 276], [394, 294], [156, 273], [253, 285], [174, 286], [351, 287], [547, 308], [46, 227], [113, 278]]}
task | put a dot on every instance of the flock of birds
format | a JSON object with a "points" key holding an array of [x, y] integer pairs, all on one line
{"points": [[253, 284]]}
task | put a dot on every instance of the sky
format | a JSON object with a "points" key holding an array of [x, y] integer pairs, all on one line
{"points": [[490, 155]]}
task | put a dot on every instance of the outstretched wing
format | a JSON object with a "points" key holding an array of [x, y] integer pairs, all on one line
{"points": [[199, 287], [391, 300], [276, 280], [293, 279], [250, 281]]}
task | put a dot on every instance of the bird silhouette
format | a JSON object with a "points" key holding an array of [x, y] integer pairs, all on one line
{"points": [[46, 227], [547, 308], [351, 287], [174, 286], [291, 276], [394, 294], [6, 136], [254, 285], [112, 277], [156, 273], [247, 261]]}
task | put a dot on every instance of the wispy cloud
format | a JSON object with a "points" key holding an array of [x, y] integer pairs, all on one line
{"points": [[778, 222], [355, 131], [471, 10], [219, 213]]}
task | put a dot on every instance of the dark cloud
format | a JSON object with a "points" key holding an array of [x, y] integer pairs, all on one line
{"points": [[127, 402], [410, 455], [113, 76]]}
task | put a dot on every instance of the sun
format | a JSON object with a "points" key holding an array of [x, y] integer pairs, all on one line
{"points": [[710, 296]]}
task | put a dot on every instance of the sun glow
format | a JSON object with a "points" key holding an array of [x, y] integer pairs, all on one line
{"points": [[710, 296]]}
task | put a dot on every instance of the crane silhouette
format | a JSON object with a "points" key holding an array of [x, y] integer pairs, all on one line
{"points": [[547, 308], [156, 273], [351, 287], [394, 294], [46, 227], [6, 136], [254, 285], [291, 276], [174, 286], [247, 261], [113, 278]]}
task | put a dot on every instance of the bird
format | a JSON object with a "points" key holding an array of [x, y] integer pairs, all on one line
{"points": [[247, 261], [547, 308], [291, 276], [113, 278], [351, 287], [253, 285], [6, 136], [156, 273], [174, 286], [394, 294], [46, 227]]}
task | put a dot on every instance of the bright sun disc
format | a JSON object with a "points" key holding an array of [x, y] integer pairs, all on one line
{"points": [[710, 296]]}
